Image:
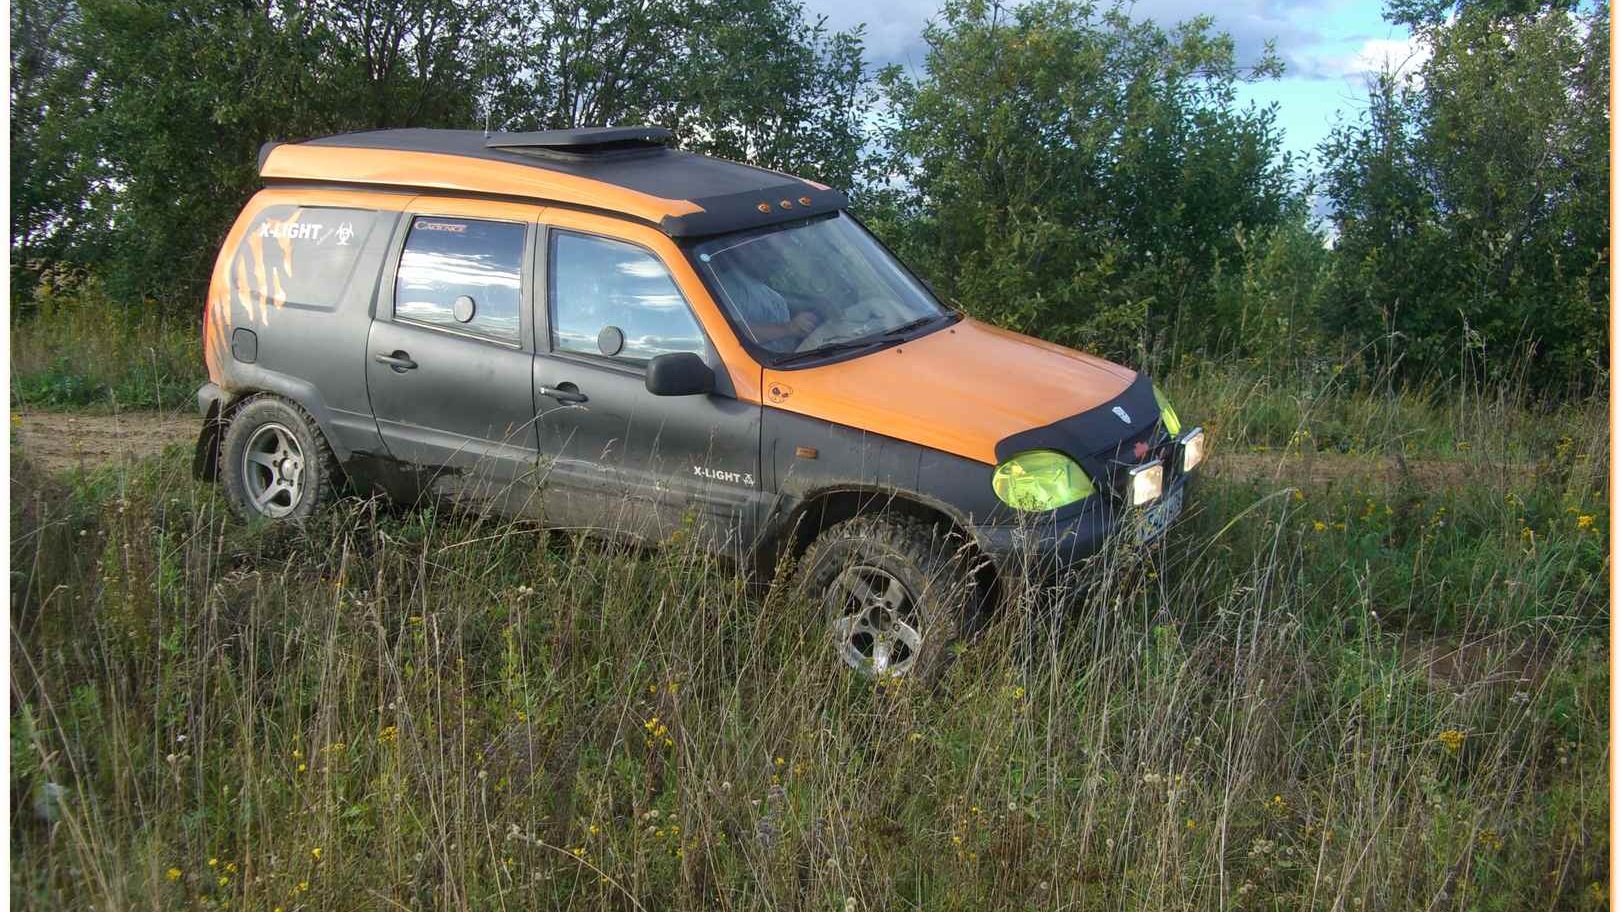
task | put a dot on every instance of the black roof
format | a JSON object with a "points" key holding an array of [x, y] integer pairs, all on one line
{"points": [[634, 158]]}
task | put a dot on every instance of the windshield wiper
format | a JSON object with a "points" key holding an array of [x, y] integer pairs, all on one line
{"points": [[832, 348], [887, 337], [907, 327]]}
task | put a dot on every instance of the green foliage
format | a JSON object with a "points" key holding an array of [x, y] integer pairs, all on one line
{"points": [[136, 125], [1077, 175], [1471, 201], [1067, 170], [163, 109], [75, 348], [749, 80]]}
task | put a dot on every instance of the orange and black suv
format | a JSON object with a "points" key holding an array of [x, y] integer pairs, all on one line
{"points": [[605, 333]]}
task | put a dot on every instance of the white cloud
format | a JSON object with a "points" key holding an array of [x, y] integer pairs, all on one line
{"points": [[894, 27], [1403, 56]]}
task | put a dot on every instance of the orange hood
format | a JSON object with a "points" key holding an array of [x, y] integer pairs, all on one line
{"points": [[959, 389]]}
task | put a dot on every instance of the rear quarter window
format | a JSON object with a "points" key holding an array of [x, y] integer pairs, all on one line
{"points": [[299, 256]]}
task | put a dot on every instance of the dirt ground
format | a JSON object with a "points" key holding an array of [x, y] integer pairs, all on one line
{"points": [[62, 441], [59, 441]]}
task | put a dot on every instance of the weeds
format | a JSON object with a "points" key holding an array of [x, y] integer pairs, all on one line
{"points": [[78, 350], [1370, 693]]}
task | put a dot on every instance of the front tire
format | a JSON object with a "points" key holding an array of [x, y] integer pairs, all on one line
{"points": [[895, 593], [274, 462]]}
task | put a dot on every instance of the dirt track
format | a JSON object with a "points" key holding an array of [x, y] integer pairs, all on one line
{"points": [[61, 441]]}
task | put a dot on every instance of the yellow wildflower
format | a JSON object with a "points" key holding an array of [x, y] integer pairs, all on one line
{"points": [[1452, 739], [1319, 526], [315, 853], [213, 862], [1584, 522], [389, 735], [173, 874]]}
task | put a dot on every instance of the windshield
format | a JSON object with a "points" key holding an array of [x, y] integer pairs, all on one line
{"points": [[811, 285]]}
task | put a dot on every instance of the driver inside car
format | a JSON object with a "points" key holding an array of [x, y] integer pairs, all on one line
{"points": [[763, 309]]}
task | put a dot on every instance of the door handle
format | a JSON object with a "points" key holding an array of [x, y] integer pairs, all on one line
{"points": [[398, 360], [564, 392]]}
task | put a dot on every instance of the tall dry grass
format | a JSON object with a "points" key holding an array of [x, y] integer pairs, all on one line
{"points": [[1375, 692]]}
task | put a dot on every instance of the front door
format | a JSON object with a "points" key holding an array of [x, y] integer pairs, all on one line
{"points": [[617, 458], [450, 353]]}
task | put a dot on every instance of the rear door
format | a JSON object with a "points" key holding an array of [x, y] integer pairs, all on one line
{"points": [[450, 352], [618, 458]]}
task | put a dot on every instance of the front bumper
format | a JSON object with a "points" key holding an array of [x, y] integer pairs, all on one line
{"points": [[1041, 549]]}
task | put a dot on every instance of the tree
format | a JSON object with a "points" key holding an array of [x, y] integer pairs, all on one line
{"points": [[750, 80], [1073, 174], [136, 125], [47, 177], [1472, 200]]}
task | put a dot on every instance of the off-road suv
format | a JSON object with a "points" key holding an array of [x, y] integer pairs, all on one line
{"points": [[608, 334]]}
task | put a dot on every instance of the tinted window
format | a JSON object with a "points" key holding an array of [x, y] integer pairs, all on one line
{"points": [[446, 258], [597, 282]]}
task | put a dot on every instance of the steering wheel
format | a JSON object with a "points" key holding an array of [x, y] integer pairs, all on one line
{"points": [[850, 323]]}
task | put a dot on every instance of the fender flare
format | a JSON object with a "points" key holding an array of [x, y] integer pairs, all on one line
{"points": [[786, 533], [248, 380]]}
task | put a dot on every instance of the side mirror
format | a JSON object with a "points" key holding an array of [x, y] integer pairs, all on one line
{"points": [[679, 374]]}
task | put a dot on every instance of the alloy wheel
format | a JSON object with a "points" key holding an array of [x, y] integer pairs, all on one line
{"points": [[273, 470], [875, 621]]}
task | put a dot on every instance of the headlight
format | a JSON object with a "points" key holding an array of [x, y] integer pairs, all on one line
{"points": [[1167, 414], [1040, 480], [1192, 449], [1147, 483]]}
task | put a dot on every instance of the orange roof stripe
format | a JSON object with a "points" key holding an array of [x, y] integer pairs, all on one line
{"points": [[438, 171]]}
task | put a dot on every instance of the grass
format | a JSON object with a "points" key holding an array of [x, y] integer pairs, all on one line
{"points": [[1382, 691], [76, 350]]}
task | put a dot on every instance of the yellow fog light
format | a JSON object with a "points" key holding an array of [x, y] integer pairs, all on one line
{"points": [[1147, 483], [1040, 480], [1173, 424], [1192, 449]]}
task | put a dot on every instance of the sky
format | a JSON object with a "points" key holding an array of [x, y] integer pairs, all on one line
{"points": [[1328, 48]]}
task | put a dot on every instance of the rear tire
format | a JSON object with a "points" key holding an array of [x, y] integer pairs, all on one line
{"points": [[895, 593], [274, 462]]}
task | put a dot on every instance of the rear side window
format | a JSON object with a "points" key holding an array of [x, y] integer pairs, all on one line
{"points": [[462, 274], [298, 256], [597, 283]]}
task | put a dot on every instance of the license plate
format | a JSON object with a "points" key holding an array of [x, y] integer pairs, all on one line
{"points": [[1160, 514]]}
